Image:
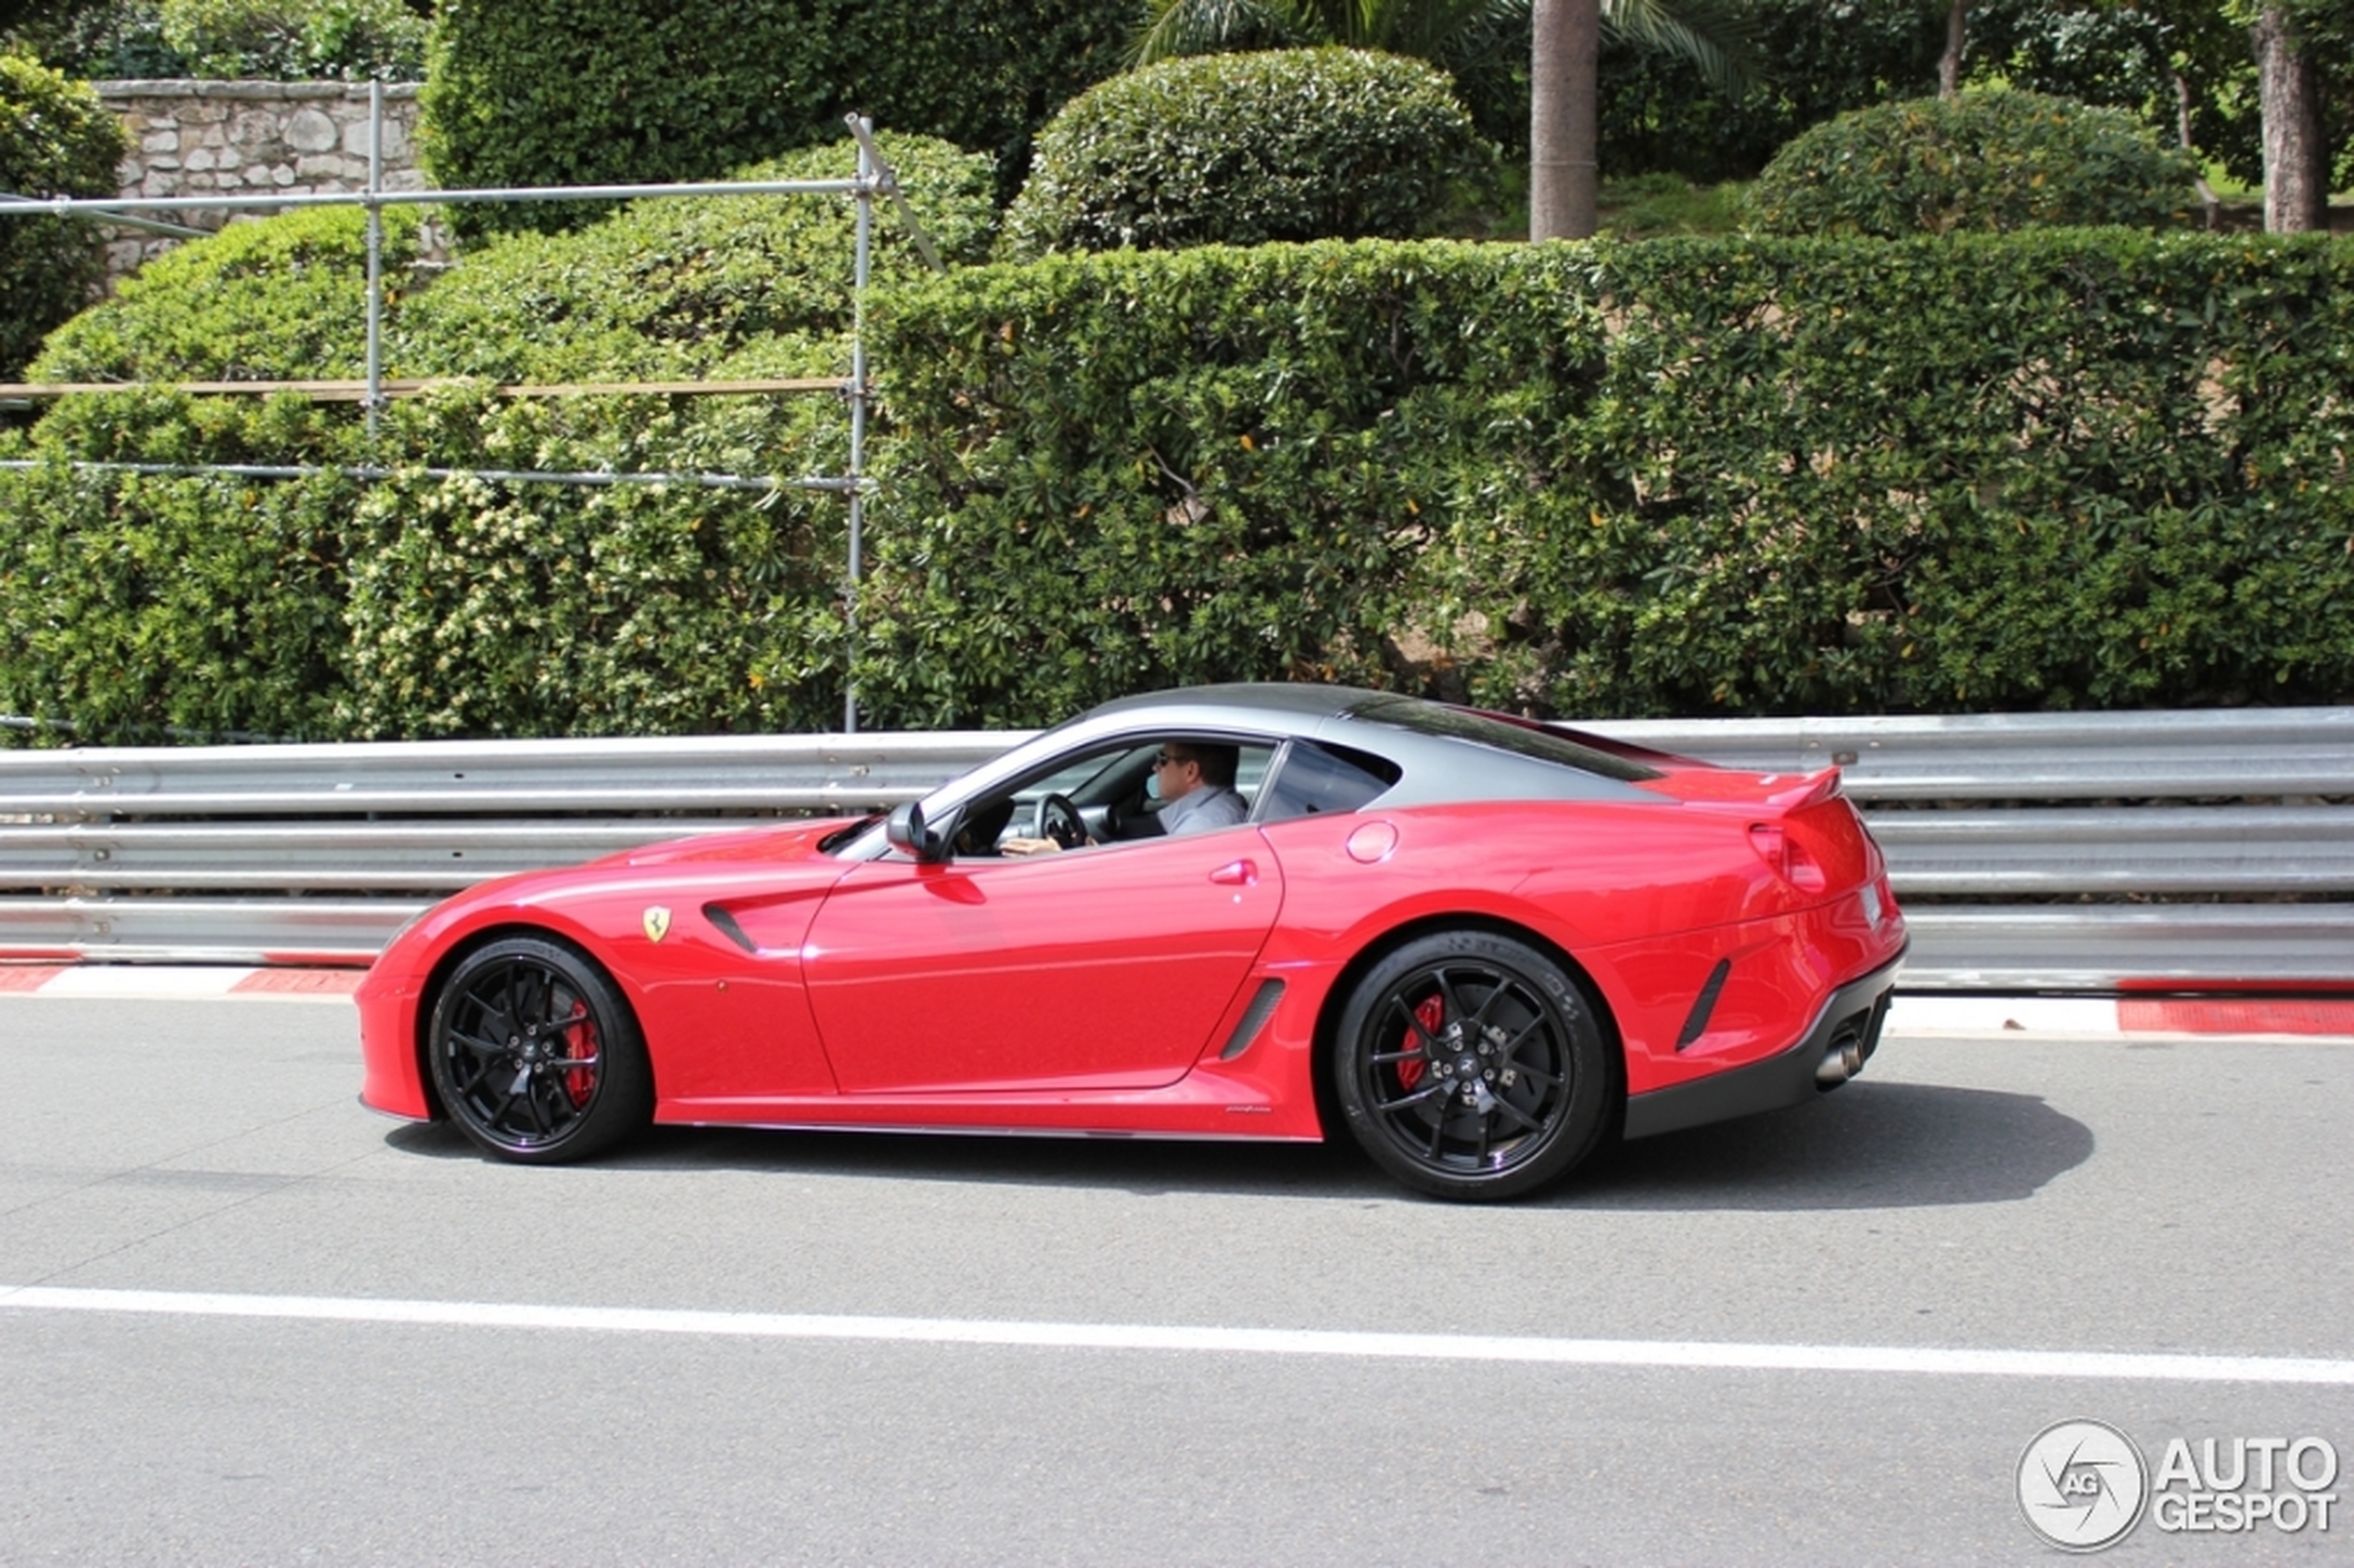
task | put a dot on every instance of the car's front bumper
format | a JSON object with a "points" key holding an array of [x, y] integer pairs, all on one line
{"points": [[1845, 1033]]}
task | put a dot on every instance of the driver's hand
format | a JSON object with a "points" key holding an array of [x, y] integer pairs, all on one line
{"points": [[1029, 846]]}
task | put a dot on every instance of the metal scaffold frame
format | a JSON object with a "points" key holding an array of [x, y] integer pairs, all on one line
{"points": [[873, 177]]}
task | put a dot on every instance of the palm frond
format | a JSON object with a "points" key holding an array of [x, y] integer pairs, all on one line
{"points": [[1718, 37], [1205, 27]]}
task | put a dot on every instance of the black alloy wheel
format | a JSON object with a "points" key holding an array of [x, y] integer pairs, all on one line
{"points": [[535, 1055], [1470, 1066]]}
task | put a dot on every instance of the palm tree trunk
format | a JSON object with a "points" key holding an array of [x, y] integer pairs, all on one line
{"points": [[1949, 65], [2295, 177], [1565, 176], [2207, 201]]}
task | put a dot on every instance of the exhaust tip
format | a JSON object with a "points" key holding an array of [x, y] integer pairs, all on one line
{"points": [[1840, 1062]]}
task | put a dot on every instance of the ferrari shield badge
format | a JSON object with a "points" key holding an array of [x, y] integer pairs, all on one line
{"points": [[657, 922]]}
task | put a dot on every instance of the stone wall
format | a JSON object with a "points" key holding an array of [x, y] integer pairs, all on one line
{"points": [[194, 138]]}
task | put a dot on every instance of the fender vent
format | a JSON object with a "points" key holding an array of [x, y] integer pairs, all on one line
{"points": [[718, 915], [1697, 1025], [1254, 1019]]}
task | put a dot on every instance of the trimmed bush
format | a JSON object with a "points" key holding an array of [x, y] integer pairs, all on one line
{"points": [[572, 92], [685, 287], [145, 609], [525, 610], [284, 299], [1993, 161], [484, 608], [424, 606], [147, 606], [1240, 149], [56, 139]]}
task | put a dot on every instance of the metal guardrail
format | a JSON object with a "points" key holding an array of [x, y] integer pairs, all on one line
{"points": [[2240, 752], [792, 772], [2029, 847]]}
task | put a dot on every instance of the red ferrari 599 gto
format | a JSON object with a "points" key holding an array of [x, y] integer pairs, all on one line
{"points": [[1483, 945]]}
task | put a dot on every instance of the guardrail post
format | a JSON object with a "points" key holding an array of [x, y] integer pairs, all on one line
{"points": [[868, 175]]}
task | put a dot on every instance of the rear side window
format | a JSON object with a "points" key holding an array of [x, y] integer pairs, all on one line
{"points": [[1315, 778]]}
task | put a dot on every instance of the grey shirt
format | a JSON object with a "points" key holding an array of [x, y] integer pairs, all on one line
{"points": [[1199, 811]]}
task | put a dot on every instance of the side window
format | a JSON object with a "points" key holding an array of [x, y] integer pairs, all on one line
{"points": [[1109, 789], [1315, 778]]}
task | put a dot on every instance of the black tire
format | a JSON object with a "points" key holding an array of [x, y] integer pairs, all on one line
{"points": [[1470, 1066], [537, 1056]]}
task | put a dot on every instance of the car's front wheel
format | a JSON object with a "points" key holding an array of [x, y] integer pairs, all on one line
{"points": [[1470, 1066], [536, 1054]]}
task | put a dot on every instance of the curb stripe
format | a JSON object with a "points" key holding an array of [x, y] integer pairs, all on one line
{"points": [[2248, 1015], [28, 976], [299, 982], [1689, 1355]]}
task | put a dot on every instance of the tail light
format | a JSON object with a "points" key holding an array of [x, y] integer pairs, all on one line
{"points": [[1789, 859]]}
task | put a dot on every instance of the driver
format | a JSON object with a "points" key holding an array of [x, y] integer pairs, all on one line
{"points": [[1196, 783]]}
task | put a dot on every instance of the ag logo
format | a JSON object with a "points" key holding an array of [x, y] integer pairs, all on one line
{"points": [[657, 923], [2081, 1484]]}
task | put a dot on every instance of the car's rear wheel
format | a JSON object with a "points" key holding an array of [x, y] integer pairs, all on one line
{"points": [[536, 1054], [1470, 1066]]}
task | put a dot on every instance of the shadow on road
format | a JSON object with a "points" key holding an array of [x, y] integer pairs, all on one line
{"points": [[1870, 1145]]}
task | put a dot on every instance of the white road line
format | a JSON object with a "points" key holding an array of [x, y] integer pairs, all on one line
{"points": [[2096, 1364]]}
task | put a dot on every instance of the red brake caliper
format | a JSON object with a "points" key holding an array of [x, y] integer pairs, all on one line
{"points": [[578, 1082], [1430, 1015]]}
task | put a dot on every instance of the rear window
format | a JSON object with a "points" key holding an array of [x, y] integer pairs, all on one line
{"points": [[1320, 778], [1480, 729]]}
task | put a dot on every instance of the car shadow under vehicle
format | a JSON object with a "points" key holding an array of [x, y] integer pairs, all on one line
{"points": [[1869, 1145]]}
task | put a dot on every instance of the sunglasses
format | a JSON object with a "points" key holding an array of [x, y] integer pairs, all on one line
{"points": [[1165, 760]]}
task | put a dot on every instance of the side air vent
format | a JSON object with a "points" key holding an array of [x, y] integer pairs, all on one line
{"points": [[1697, 1025], [1254, 1019], [718, 915]]}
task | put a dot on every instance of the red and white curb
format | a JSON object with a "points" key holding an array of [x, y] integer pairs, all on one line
{"points": [[1915, 1013], [2056, 1016], [166, 982]]}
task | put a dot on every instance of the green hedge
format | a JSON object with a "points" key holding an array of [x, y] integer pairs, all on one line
{"points": [[1239, 149], [2058, 469], [2063, 469], [56, 139], [573, 92]]}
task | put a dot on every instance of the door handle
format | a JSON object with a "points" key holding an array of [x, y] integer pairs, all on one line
{"points": [[1236, 873]]}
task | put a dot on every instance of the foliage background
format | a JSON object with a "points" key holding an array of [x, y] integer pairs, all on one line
{"points": [[228, 40], [56, 139], [573, 92]]}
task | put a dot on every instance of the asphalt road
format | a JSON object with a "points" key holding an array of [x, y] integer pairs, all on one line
{"points": [[345, 1340]]}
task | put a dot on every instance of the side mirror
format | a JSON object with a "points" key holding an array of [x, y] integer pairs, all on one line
{"points": [[907, 833]]}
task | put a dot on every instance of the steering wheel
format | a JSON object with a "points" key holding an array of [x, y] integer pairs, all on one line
{"points": [[1059, 820]]}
